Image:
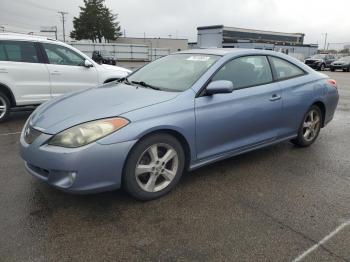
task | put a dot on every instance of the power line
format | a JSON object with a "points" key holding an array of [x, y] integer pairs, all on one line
{"points": [[63, 21], [38, 6]]}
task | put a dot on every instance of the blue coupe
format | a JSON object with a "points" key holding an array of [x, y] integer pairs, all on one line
{"points": [[178, 113]]}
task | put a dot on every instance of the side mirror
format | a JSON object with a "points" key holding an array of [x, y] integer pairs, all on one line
{"points": [[219, 87], [88, 64]]}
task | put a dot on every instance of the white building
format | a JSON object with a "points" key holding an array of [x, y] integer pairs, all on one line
{"points": [[232, 37]]}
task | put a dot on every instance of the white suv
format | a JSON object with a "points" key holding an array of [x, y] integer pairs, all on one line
{"points": [[36, 69]]}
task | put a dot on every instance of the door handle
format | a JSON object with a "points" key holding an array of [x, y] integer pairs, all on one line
{"points": [[3, 70], [275, 97]]}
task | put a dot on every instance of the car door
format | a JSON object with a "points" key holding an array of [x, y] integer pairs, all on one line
{"points": [[67, 70], [23, 71], [248, 116], [295, 91]]}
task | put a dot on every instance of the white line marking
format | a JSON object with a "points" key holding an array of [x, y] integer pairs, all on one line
{"points": [[322, 242], [9, 134]]}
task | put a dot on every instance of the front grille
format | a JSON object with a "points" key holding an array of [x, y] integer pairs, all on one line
{"points": [[309, 62], [30, 134]]}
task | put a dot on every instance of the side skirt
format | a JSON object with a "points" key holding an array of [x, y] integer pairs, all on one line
{"points": [[236, 152]]}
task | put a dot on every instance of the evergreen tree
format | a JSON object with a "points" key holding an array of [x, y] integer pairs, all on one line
{"points": [[95, 22]]}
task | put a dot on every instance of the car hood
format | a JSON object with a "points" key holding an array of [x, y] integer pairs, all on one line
{"points": [[314, 59], [113, 68], [340, 62], [106, 101]]}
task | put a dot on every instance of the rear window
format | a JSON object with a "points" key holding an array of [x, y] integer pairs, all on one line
{"points": [[18, 51], [285, 70]]}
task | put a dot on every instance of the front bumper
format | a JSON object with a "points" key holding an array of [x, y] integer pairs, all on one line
{"points": [[89, 169], [339, 67]]}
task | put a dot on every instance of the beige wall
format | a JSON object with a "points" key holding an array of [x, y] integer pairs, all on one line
{"points": [[167, 43]]}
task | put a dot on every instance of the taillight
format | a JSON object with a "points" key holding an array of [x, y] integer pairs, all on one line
{"points": [[332, 83]]}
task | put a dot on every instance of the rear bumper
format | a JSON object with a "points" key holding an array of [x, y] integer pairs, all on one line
{"points": [[89, 169], [331, 101]]}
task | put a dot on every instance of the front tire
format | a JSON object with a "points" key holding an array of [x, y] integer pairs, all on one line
{"points": [[322, 67], [154, 167], [309, 128], [4, 107]]}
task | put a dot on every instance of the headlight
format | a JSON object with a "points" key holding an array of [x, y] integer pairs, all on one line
{"points": [[87, 133]]}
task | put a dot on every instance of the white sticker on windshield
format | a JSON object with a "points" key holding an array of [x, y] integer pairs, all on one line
{"points": [[198, 58]]}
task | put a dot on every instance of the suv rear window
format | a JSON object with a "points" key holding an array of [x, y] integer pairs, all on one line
{"points": [[18, 51]]}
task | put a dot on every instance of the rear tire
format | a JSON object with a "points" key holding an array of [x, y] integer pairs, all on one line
{"points": [[154, 167], [322, 67], [309, 128], [4, 107]]}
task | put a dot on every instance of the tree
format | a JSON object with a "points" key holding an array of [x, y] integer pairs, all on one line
{"points": [[95, 22]]}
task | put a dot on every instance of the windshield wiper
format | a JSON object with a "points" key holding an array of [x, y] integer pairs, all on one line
{"points": [[141, 83], [124, 80]]}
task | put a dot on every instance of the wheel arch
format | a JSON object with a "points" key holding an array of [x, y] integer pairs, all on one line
{"points": [[7, 91], [175, 133]]}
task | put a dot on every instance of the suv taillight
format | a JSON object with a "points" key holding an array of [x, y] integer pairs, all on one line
{"points": [[332, 83]]}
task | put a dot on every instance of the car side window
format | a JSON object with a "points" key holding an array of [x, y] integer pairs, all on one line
{"points": [[60, 55], [284, 69], [18, 51], [3, 56], [246, 71]]}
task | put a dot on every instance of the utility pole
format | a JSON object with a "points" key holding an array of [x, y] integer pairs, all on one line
{"points": [[63, 21], [325, 41]]}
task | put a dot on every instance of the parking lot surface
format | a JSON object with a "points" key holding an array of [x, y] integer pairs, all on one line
{"points": [[274, 204]]}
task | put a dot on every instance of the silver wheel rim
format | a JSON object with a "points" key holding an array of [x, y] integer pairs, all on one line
{"points": [[311, 125], [156, 167], [3, 107]]}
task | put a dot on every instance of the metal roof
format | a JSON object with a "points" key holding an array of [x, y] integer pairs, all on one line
{"points": [[237, 29]]}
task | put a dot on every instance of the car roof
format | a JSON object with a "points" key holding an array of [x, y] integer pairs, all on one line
{"points": [[227, 51], [22, 37]]}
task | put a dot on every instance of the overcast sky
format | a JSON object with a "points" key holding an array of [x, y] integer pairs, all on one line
{"points": [[161, 18]]}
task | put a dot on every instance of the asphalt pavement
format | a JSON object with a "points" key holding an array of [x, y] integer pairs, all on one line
{"points": [[280, 203]]}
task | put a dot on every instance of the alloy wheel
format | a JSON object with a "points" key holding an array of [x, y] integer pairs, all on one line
{"points": [[311, 125], [3, 107], [157, 167]]}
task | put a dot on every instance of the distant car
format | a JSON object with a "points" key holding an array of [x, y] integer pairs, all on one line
{"points": [[104, 57], [36, 69], [343, 64], [178, 113], [320, 61]]}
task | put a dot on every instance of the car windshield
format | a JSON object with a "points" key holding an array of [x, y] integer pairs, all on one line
{"points": [[345, 59], [319, 56], [175, 73]]}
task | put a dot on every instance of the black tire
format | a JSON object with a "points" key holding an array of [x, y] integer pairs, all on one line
{"points": [[332, 69], [300, 140], [131, 183], [322, 67], [4, 102], [348, 69]]}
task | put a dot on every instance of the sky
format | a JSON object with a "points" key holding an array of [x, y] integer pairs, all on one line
{"points": [[180, 18]]}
